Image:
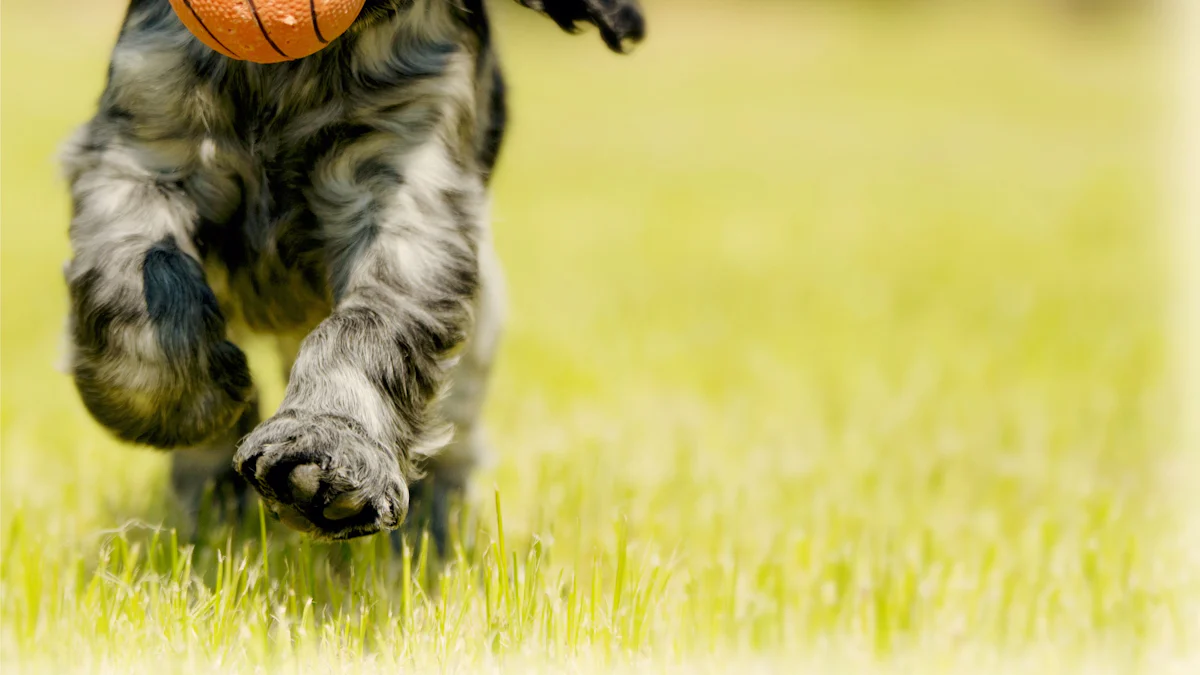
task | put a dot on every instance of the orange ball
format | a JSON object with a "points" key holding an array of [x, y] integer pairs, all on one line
{"points": [[267, 31]]}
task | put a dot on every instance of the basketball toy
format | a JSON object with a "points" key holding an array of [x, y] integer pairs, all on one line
{"points": [[267, 31]]}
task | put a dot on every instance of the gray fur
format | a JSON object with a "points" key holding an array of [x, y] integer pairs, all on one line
{"points": [[341, 198]]}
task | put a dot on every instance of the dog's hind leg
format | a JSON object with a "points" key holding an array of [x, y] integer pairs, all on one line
{"points": [[619, 21], [448, 471], [150, 355], [206, 487]]}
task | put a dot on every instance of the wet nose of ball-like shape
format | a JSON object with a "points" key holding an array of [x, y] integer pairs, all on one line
{"points": [[267, 31]]}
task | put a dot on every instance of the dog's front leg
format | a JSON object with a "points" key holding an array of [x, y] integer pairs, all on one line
{"points": [[336, 460], [150, 356]]}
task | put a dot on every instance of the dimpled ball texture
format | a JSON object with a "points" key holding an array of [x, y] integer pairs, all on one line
{"points": [[267, 31]]}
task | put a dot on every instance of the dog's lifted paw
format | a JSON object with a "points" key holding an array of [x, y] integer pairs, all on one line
{"points": [[619, 21], [323, 475]]}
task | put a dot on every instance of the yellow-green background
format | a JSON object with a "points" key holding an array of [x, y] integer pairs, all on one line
{"points": [[851, 317]]}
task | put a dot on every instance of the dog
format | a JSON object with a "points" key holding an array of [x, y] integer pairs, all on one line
{"points": [[337, 203]]}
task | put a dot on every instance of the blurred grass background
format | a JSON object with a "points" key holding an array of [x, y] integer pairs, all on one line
{"points": [[853, 313]]}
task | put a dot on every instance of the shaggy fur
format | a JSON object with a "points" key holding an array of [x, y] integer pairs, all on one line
{"points": [[337, 202]]}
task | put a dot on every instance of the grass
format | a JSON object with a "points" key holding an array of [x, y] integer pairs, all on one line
{"points": [[838, 341]]}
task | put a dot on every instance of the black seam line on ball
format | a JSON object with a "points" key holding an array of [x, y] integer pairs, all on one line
{"points": [[312, 9], [261, 27], [208, 30]]}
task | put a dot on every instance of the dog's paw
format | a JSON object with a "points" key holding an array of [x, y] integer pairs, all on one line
{"points": [[145, 398], [152, 363], [619, 21], [323, 475]]}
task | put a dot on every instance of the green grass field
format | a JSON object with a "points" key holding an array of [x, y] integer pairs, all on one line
{"points": [[838, 341]]}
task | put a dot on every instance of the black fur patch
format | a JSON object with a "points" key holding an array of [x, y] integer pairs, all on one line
{"points": [[493, 136], [181, 306]]}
